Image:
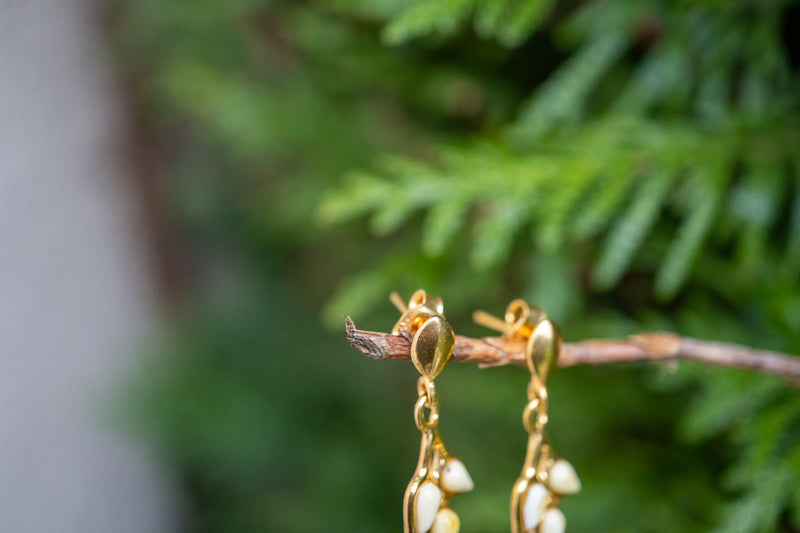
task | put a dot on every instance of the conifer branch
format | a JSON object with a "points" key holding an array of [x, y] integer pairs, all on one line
{"points": [[660, 347]]}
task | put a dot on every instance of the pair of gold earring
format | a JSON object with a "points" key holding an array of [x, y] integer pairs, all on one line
{"points": [[439, 476]]}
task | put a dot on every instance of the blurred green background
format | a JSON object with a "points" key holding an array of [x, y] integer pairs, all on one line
{"points": [[629, 166]]}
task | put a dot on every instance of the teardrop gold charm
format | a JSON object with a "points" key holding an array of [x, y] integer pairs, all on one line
{"points": [[432, 346], [543, 348]]}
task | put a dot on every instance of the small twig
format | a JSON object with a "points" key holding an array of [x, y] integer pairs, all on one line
{"points": [[496, 351]]}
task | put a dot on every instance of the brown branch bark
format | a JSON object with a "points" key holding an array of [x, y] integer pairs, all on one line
{"points": [[661, 347]]}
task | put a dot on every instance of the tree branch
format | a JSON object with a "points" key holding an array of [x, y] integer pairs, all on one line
{"points": [[662, 347]]}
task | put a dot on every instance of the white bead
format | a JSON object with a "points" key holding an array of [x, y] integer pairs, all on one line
{"points": [[534, 505], [429, 497], [446, 522], [455, 477], [553, 522], [563, 479]]}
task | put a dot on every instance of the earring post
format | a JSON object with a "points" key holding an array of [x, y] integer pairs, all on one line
{"points": [[490, 321], [398, 302]]}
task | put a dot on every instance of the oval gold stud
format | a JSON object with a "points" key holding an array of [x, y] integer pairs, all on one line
{"points": [[543, 348], [432, 346]]}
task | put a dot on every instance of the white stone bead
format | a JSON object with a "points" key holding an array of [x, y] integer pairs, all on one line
{"points": [[534, 505], [429, 497], [553, 522], [455, 477], [446, 522], [563, 479]]}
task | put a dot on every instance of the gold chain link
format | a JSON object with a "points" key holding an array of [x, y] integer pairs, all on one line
{"points": [[428, 399], [534, 416]]}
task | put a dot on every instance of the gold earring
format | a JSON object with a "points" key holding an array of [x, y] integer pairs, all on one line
{"points": [[438, 475], [544, 479]]}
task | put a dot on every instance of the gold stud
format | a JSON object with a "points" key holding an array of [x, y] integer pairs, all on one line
{"points": [[534, 498], [432, 343]]}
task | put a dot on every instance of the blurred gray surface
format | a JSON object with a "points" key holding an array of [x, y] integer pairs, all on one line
{"points": [[75, 296]]}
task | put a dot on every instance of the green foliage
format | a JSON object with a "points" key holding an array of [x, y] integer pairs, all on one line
{"points": [[627, 165], [684, 177], [508, 21]]}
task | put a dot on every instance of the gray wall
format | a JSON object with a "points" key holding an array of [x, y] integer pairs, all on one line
{"points": [[75, 295]]}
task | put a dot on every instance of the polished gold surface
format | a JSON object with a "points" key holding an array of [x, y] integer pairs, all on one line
{"points": [[544, 343], [518, 323], [432, 343], [543, 348], [538, 455], [432, 453], [432, 346], [420, 308]]}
